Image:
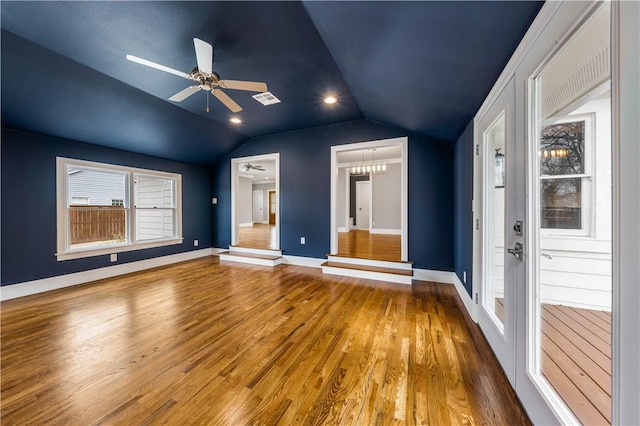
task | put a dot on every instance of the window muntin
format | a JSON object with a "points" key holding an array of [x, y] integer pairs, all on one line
{"points": [[104, 208]]}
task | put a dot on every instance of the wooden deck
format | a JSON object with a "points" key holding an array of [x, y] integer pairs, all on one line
{"points": [[576, 358]]}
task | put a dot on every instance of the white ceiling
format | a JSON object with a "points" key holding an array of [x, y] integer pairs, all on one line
{"points": [[268, 175]]}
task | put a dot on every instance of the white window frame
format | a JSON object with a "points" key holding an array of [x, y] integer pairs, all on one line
{"points": [[64, 252], [587, 186]]}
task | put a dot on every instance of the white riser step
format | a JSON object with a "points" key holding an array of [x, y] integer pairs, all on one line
{"points": [[263, 252], [371, 275], [407, 266], [250, 259]]}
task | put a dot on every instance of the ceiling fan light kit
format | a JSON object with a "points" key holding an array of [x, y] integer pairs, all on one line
{"points": [[205, 78]]}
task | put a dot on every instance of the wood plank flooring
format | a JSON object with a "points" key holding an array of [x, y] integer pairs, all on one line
{"points": [[259, 235], [228, 344], [364, 245], [576, 358]]}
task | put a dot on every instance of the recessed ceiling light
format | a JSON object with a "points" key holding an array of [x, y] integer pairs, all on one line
{"points": [[235, 120], [330, 100]]}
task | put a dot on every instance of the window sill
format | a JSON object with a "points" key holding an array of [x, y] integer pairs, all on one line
{"points": [[80, 253]]}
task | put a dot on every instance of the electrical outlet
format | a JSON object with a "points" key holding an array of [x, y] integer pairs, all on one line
{"points": [[303, 240], [195, 243], [464, 276], [113, 257], [214, 201]]}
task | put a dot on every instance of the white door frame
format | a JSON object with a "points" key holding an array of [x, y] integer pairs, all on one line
{"points": [[403, 143], [235, 176]]}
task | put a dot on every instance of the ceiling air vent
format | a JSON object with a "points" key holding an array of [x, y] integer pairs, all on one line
{"points": [[266, 98]]}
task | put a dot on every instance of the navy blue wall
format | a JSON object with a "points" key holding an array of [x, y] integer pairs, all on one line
{"points": [[29, 205], [463, 181], [305, 162]]}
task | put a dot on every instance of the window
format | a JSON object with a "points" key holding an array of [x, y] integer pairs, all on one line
{"points": [[104, 208], [565, 182]]}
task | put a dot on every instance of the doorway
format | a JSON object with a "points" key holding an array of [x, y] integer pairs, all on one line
{"points": [[272, 207], [255, 189], [543, 222], [384, 164]]}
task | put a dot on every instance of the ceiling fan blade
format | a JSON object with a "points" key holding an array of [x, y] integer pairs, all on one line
{"points": [[184, 94], [157, 66], [251, 86], [226, 100], [204, 55], [258, 168]]}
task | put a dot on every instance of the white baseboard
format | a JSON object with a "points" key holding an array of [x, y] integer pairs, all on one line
{"points": [[431, 275], [466, 299], [385, 231], [265, 222], [61, 281], [310, 262], [343, 229], [245, 225]]}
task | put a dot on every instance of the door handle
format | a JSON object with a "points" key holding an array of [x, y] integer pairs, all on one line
{"points": [[516, 251]]}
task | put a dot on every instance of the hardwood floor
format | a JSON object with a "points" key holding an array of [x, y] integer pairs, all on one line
{"points": [[260, 236], [230, 344], [364, 245]]}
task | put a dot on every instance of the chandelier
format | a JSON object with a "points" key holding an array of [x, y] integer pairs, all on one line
{"points": [[369, 167]]}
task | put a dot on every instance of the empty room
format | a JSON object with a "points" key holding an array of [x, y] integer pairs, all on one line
{"points": [[308, 212]]}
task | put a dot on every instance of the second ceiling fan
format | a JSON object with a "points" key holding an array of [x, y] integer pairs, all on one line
{"points": [[205, 78]]}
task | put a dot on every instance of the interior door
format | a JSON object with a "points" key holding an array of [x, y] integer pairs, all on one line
{"points": [[272, 207], [362, 204], [498, 237], [257, 206]]}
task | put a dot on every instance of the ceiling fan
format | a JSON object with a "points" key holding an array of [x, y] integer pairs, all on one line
{"points": [[205, 78], [248, 166]]}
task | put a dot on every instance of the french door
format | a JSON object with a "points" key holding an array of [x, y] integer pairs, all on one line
{"points": [[543, 252], [498, 227]]}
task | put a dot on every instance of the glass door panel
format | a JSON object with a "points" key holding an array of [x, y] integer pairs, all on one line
{"points": [[570, 310], [493, 298]]}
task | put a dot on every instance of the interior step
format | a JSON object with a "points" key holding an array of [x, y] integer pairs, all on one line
{"points": [[408, 266], [253, 256], [364, 268]]}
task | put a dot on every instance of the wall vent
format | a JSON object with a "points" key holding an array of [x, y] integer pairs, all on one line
{"points": [[266, 98]]}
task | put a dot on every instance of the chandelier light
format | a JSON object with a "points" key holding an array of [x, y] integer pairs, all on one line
{"points": [[372, 167]]}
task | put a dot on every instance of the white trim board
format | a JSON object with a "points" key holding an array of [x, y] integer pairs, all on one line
{"points": [[384, 231], [61, 281], [245, 225]]}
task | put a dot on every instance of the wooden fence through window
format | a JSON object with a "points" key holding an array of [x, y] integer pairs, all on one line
{"points": [[97, 223]]}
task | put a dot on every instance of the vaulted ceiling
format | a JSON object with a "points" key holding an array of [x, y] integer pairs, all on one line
{"points": [[421, 66]]}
